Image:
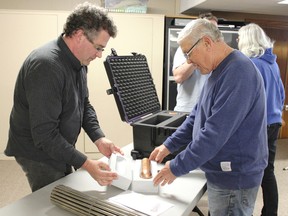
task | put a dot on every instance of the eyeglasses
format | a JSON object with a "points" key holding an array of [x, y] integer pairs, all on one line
{"points": [[97, 47], [186, 55]]}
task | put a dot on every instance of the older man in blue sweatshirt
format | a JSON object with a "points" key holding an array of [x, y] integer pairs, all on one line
{"points": [[225, 134]]}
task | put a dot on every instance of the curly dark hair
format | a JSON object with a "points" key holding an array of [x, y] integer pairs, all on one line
{"points": [[91, 19]]}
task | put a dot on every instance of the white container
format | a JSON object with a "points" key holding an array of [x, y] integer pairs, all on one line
{"points": [[142, 185], [122, 166], [128, 171]]}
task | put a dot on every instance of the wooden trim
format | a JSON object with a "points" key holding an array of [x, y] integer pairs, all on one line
{"points": [[283, 25]]}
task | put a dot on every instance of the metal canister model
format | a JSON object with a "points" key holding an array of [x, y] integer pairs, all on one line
{"points": [[145, 169]]}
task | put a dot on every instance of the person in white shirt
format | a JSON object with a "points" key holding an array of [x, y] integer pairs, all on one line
{"points": [[188, 78]]}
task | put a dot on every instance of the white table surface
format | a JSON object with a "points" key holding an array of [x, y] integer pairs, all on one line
{"points": [[184, 193]]}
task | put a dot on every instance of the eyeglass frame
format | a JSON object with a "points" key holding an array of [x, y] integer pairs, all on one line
{"points": [[187, 54], [97, 47]]}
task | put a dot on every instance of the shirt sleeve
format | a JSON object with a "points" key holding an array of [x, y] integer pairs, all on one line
{"points": [[178, 59], [183, 135], [90, 121]]}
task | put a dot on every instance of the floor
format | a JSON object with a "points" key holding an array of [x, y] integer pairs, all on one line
{"points": [[14, 186]]}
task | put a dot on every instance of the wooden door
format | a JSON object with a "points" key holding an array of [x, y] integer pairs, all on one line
{"points": [[278, 31]]}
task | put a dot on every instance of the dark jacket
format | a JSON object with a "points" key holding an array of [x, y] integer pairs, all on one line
{"points": [[50, 106]]}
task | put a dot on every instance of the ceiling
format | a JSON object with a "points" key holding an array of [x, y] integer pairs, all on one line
{"points": [[269, 7]]}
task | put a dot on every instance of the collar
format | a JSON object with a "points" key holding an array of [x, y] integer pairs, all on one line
{"points": [[70, 56]]}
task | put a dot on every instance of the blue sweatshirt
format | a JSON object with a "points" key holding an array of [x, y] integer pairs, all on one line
{"points": [[274, 88], [225, 134]]}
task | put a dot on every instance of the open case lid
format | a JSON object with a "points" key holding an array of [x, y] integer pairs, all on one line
{"points": [[132, 86]]}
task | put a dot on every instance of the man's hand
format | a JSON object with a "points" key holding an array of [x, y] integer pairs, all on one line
{"points": [[165, 176], [159, 153], [106, 147], [100, 171]]}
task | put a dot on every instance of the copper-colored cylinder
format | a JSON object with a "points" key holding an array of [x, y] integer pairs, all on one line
{"points": [[145, 169]]}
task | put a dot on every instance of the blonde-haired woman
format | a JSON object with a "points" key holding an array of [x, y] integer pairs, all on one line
{"points": [[255, 44]]}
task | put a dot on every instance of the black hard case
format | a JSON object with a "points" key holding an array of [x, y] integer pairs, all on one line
{"points": [[138, 104]]}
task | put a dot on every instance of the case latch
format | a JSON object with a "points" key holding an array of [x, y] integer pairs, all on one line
{"points": [[111, 91]]}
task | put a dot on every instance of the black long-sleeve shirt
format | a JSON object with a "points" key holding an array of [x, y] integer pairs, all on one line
{"points": [[51, 105]]}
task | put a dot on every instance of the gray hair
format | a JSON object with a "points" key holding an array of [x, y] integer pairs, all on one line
{"points": [[199, 28], [253, 41]]}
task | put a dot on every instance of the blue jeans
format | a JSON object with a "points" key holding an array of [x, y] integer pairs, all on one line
{"points": [[225, 202], [40, 174]]}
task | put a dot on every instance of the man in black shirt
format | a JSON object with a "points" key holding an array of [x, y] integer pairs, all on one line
{"points": [[51, 103]]}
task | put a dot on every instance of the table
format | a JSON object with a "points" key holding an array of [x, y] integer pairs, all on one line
{"points": [[184, 193]]}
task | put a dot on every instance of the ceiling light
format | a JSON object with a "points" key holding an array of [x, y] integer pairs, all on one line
{"points": [[283, 2]]}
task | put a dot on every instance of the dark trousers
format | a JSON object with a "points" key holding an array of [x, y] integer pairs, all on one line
{"points": [[269, 183], [40, 174]]}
